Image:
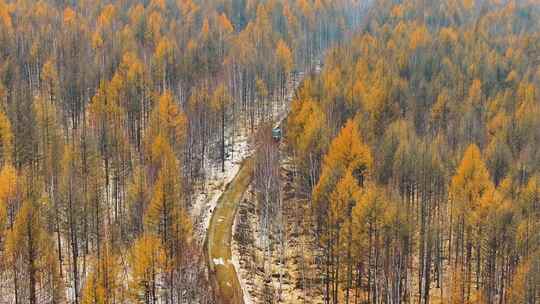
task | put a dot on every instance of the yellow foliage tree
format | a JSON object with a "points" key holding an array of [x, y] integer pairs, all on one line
{"points": [[163, 56], [148, 262], [49, 135], [49, 79], [340, 235], [155, 25], [5, 18], [470, 183], [347, 154], [475, 93], [8, 191], [108, 13], [306, 123], [419, 37], [524, 286], [284, 56], [104, 284], [29, 253], [168, 119], [343, 199], [226, 27], [367, 214], [70, 16], [468, 186], [6, 139], [166, 215], [104, 109], [137, 198], [8, 183]]}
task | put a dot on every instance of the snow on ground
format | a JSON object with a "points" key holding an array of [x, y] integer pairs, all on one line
{"points": [[248, 297], [207, 195], [290, 293], [219, 261], [296, 267]]}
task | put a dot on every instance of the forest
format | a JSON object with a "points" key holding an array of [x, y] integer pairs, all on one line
{"points": [[269, 151]]}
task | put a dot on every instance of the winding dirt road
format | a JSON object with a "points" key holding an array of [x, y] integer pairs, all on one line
{"points": [[222, 273], [223, 276]]}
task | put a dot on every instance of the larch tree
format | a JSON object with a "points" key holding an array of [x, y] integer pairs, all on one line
{"points": [[8, 194], [166, 194], [166, 215], [370, 216], [347, 154], [494, 221], [104, 283], [467, 187], [306, 133], [348, 157], [50, 152], [225, 30], [220, 102], [71, 210], [524, 288], [29, 252], [342, 200], [138, 200], [285, 61], [49, 81], [168, 120], [6, 139], [163, 58], [147, 259]]}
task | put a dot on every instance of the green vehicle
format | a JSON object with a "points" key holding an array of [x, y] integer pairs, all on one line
{"points": [[276, 133]]}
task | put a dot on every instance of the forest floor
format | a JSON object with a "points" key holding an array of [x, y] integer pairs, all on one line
{"points": [[288, 271], [216, 181]]}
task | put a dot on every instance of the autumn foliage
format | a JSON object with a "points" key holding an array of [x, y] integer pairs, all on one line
{"points": [[416, 148], [112, 115]]}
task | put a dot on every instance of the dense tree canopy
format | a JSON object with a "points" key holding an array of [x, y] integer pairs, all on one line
{"points": [[110, 115], [445, 96], [413, 141]]}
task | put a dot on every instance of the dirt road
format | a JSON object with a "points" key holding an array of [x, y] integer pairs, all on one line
{"points": [[222, 273]]}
